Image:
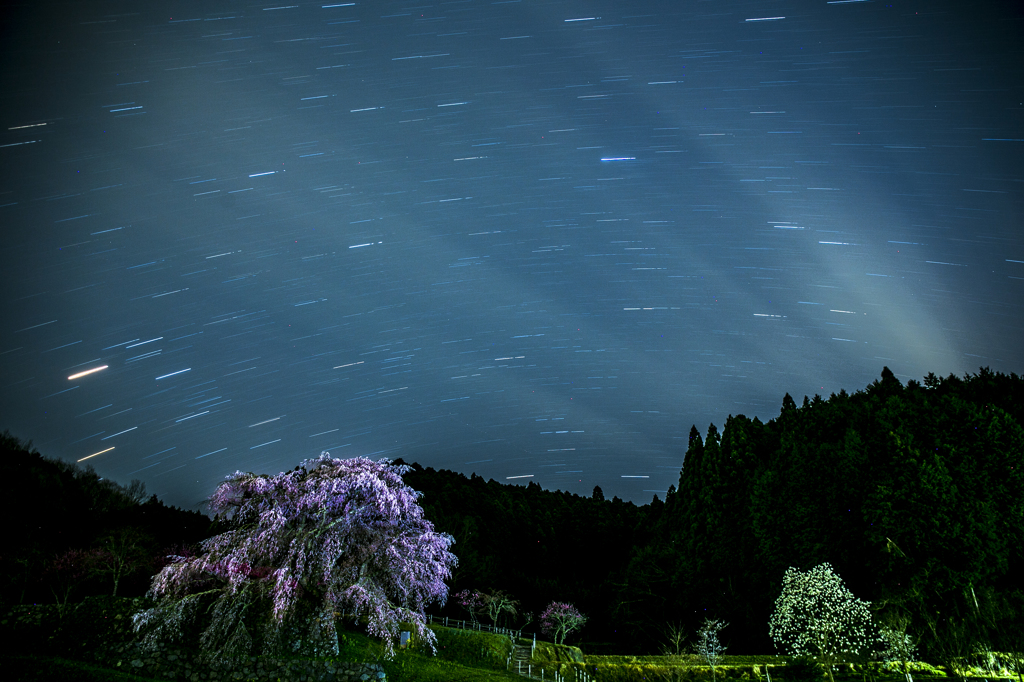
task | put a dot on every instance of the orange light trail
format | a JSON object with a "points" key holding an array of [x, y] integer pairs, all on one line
{"points": [[95, 453]]}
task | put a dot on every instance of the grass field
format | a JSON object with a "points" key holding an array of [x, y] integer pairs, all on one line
{"points": [[31, 650]]}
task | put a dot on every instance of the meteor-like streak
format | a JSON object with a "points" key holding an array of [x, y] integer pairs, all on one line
{"points": [[95, 453], [86, 373]]}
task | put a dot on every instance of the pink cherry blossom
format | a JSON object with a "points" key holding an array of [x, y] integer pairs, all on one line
{"points": [[328, 537]]}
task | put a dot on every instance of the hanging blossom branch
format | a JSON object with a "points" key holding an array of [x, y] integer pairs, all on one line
{"points": [[330, 536]]}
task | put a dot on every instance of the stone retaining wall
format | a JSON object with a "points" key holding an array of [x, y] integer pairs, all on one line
{"points": [[168, 662]]}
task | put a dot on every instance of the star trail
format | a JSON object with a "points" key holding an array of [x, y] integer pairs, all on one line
{"points": [[536, 240]]}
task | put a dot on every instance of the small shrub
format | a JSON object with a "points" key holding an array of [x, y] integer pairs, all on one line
{"points": [[95, 623], [28, 628]]}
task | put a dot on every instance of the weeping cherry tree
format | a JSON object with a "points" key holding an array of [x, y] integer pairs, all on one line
{"points": [[332, 536]]}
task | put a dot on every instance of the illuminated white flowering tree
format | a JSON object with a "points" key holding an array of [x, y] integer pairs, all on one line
{"points": [[708, 646], [817, 616], [304, 546]]}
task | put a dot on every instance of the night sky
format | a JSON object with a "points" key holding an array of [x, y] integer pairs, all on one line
{"points": [[516, 238]]}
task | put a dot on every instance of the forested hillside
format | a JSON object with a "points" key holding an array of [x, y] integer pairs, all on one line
{"points": [[538, 545], [914, 494], [70, 532]]}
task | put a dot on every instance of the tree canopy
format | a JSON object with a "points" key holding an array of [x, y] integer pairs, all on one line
{"points": [[330, 536]]}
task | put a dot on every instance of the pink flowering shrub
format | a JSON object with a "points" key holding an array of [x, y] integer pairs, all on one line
{"points": [[330, 536], [470, 600], [559, 619]]}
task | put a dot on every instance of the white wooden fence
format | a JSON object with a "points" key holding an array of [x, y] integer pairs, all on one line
{"points": [[579, 676], [515, 636]]}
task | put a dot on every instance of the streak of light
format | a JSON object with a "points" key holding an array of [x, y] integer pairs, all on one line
{"points": [[96, 410], [180, 371], [265, 422], [143, 343], [161, 452], [95, 453], [508, 478], [119, 433], [59, 392], [34, 326], [86, 373], [123, 343]]}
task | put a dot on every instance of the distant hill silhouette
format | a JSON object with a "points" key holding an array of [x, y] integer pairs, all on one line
{"points": [[913, 493], [51, 506]]}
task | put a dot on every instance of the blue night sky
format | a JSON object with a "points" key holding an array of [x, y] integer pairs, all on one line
{"points": [[524, 239]]}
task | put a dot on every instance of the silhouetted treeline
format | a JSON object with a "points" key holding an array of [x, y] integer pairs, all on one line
{"points": [[66, 527], [915, 494], [537, 545]]}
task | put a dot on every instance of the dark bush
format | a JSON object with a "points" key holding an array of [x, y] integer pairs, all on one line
{"points": [[802, 669], [95, 623]]}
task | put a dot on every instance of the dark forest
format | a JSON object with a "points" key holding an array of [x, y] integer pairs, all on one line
{"points": [[912, 492]]}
